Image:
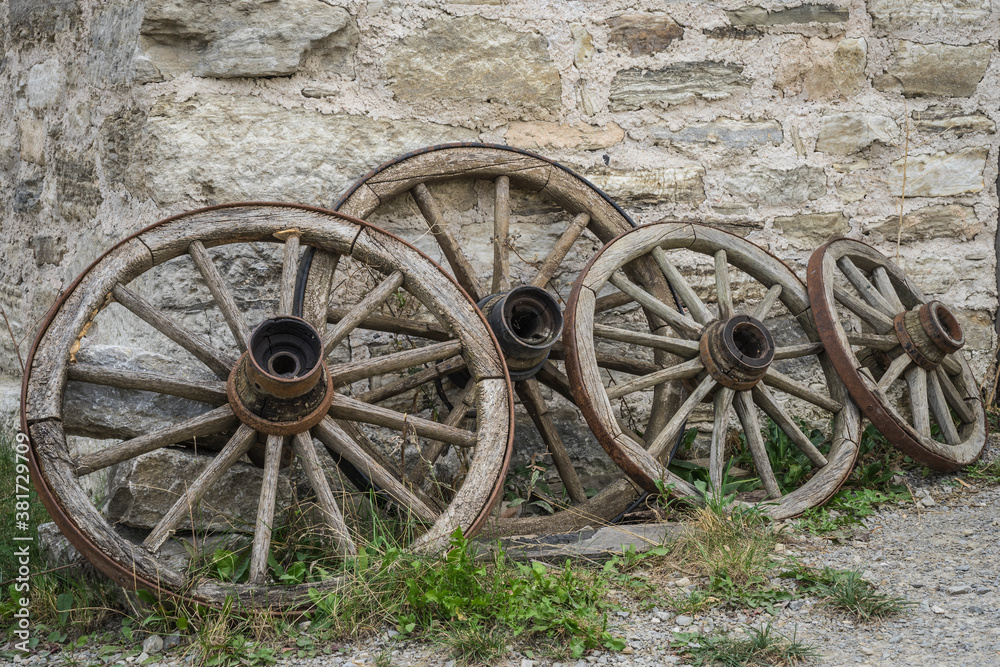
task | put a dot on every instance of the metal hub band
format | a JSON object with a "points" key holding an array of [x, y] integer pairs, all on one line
{"points": [[737, 352]]}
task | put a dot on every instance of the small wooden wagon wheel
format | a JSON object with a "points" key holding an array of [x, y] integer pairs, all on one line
{"points": [[898, 353], [522, 285], [762, 356], [265, 387]]}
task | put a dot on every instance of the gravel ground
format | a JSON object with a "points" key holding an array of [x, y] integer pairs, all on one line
{"points": [[942, 553]]}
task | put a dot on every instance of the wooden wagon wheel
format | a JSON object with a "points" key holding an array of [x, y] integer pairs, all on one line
{"points": [[879, 328], [585, 219], [268, 389], [765, 356]]}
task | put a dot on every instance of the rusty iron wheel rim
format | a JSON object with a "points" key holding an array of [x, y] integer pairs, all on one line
{"points": [[638, 463], [94, 545], [886, 413]]}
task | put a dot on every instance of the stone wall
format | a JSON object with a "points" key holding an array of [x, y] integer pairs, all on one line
{"points": [[786, 123]]}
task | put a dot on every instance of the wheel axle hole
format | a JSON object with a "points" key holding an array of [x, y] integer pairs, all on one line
{"points": [[530, 323], [284, 364], [750, 341], [949, 323]]}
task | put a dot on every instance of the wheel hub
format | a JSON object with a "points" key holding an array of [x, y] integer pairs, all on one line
{"points": [[527, 322], [280, 385], [737, 352], [928, 333]]}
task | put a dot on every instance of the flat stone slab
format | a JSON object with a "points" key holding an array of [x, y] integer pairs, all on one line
{"points": [[599, 544]]}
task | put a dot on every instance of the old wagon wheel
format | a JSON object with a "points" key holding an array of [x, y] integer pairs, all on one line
{"points": [[521, 279], [762, 356], [898, 353], [267, 389]]}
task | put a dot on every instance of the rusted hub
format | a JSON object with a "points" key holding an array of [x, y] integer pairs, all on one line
{"points": [[928, 333], [527, 322], [737, 352], [280, 385]]}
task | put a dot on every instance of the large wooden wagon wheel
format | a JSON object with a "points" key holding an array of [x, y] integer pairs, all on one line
{"points": [[520, 279], [748, 344], [898, 353], [252, 379]]}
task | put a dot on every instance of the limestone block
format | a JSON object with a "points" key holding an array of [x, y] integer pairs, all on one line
{"points": [[807, 66], [643, 34], [939, 175], [41, 20], [249, 38], [758, 16], [889, 16], [675, 84], [849, 61], [846, 133], [579, 136], [143, 489], [679, 185], [28, 194], [931, 222], [936, 69], [47, 249], [810, 230], [77, 188], [725, 132], [952, 119], [776, 186], [583, 45], [474, 59], [31, 132], [46, 82], [114, 36], [977, 326], [589, 104], [217, 148]]}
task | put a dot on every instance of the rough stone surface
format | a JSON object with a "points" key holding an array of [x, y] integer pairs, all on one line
{"points": [[476, 60], [139, 493], [951, 119], [680, 185], [724, 132], [936, 69], [777, 186], [675, 84], [940, 174], [46, 84], [539, 136], [807, 66], [643, 34], [846, 133], [810, 230], [931, 222], [42, 20], [583, 45], [77, 187], [759, 16], [237, 39], [849, 61], [894, 15]]}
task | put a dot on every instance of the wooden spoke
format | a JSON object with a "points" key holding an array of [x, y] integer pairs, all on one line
{"points": [[305, 452], [237, 446], [954, 397], [797, 351], [874, 341], [560, 249], [220, 363], [950, 365], [534, 403], [223, 297], [723, 289], [261, 546], [344, 374], [289, 270], [788, 385], [876, 319], [884, 285], [746, 411], [865, 289], [460, 265], [501, 233], [665, 439], [433, 449], [319, 285], [767, 303], [688, 369], [916, 380], [396, 325], [409, 382], [683, 324], [349, 408], [720, 425], [340, 444], [214, 421], [699, 312], [762, 396], [356, 315], [610, 301], [678, 346], [212, 392], [939, 408], [896, 368]]}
